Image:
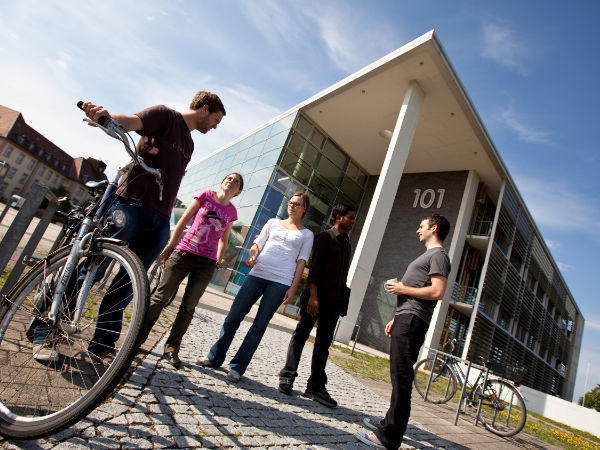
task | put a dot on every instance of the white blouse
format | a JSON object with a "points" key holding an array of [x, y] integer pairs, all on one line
{"points": [[280, 249]]}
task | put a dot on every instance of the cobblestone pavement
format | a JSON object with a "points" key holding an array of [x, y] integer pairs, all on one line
{"points": [[161, 407]]}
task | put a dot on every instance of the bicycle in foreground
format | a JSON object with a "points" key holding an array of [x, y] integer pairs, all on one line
{"points": [[499, 404], [61, 295]]}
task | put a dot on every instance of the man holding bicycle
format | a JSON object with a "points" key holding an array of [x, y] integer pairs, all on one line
{"points": [[422, 285], [142, 208]]}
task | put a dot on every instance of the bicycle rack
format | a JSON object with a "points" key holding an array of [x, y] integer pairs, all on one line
{"points": [[463, 394]]}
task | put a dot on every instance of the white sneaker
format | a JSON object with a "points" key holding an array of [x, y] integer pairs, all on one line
{"points": [[370, 439], [233, 376], [370, 425], [45, 351]]}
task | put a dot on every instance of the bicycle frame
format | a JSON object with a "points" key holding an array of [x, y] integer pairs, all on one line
{"points": [[85, 238]]}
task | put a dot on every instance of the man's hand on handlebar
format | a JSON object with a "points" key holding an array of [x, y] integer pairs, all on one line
{"points": [[94, 112]]}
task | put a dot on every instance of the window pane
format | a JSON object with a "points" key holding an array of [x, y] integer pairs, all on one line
{"points": [[268, 159], [255, 150], [261, 135], [329, 171], [352, 190], [317, 138], [304, 126], [276, 141], [296, 168], [274, 201], [260, 177], [333, 152], [283, 124], [262, 216], [281, 181], [322, 189], [317, 204], [252, 196], [239, 157], [248, 166]]}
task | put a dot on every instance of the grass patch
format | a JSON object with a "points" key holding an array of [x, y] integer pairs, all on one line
{"points": [[361, 365]]}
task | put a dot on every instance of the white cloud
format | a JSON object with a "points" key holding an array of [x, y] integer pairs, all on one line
{"points": [[552, 244], [502, 45], [564, 267], [510, 118], [556, 205]]}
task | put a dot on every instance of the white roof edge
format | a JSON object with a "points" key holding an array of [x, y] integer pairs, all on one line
{"points": [[381, 61]]}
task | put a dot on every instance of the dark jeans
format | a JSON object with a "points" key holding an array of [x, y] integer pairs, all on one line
{"points": [[408, 335], [326, 327], [199, 271], [253, 288], [146, 234]]}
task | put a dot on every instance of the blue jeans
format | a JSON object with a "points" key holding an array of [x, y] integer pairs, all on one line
{"points": [[146, 233], [253, 287]]}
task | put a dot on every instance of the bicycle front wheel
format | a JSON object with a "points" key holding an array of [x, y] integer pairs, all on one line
{"points": [[39, 398], [502, 408], [155, 275], [443, 380]]}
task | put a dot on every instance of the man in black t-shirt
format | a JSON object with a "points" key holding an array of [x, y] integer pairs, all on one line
{"points": [[324, 299], [422, 285], [166, 143]]}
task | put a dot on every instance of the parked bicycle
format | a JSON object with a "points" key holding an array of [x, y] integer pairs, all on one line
{"points": [[500, 405], [61, 295]]}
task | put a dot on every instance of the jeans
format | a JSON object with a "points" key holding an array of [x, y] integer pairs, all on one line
{"points": [[327, 318], [253, 287], [146, 234], [408, 335], [199, 271]]}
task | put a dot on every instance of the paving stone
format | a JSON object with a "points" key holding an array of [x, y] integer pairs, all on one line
{"points": [[136, 443]]}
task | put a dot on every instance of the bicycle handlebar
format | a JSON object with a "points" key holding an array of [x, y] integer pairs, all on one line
{"points": [[114, 129]]}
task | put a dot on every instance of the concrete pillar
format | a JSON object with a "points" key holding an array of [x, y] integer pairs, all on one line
{"points": [[455, 249], [483, 272], [375, 224]]}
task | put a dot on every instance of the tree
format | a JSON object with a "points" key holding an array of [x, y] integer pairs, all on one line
{"points": [[592, 399]]}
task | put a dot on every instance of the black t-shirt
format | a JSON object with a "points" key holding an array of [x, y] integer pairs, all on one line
{"points": [[434, 261], [166, 144]]}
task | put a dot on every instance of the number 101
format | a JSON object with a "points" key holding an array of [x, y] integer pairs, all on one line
{"points": [[426, 198]]}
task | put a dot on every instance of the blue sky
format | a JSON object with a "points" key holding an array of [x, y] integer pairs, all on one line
{"points": [[530, 68]]}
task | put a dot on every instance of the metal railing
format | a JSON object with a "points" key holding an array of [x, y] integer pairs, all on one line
{"points": [[481, 228], [463, 294]]}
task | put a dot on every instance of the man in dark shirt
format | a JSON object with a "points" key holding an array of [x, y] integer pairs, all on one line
{"points": [[166, 143], [423, 284], [324, 298]]}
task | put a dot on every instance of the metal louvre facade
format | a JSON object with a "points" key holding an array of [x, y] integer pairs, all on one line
{"points": [[525, 316]]}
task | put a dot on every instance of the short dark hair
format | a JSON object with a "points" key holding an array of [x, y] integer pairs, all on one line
{"points": [[341, 210], [207, 98], [443, 226]]}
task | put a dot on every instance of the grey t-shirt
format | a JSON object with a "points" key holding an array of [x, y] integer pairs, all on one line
{"points": [[434, 261]]}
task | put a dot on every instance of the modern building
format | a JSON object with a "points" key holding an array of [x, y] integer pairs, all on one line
{"points": [[32, 158], [400, 139]]}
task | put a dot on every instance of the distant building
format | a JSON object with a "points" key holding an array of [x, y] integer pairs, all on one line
{"points": [[34, 159], [401, 139]]}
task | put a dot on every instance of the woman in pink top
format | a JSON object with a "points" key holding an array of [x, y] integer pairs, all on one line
{"points": [[196, 256]]}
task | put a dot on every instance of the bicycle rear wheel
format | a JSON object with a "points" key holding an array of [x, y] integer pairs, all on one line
{"points": [[38, 399], [502, 408], [443, 380]]}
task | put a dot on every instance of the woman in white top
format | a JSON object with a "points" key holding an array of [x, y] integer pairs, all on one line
{"points": [[277, 259]]}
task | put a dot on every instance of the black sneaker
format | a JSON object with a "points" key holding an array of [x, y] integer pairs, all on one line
{"points": [[172, 358], [286, 386], [321, 396]]}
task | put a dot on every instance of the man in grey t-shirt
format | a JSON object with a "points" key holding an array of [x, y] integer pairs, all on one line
{"points": [[422, 285]]}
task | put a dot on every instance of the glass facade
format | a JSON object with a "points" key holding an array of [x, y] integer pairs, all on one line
{"points": [[289, 155]]}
